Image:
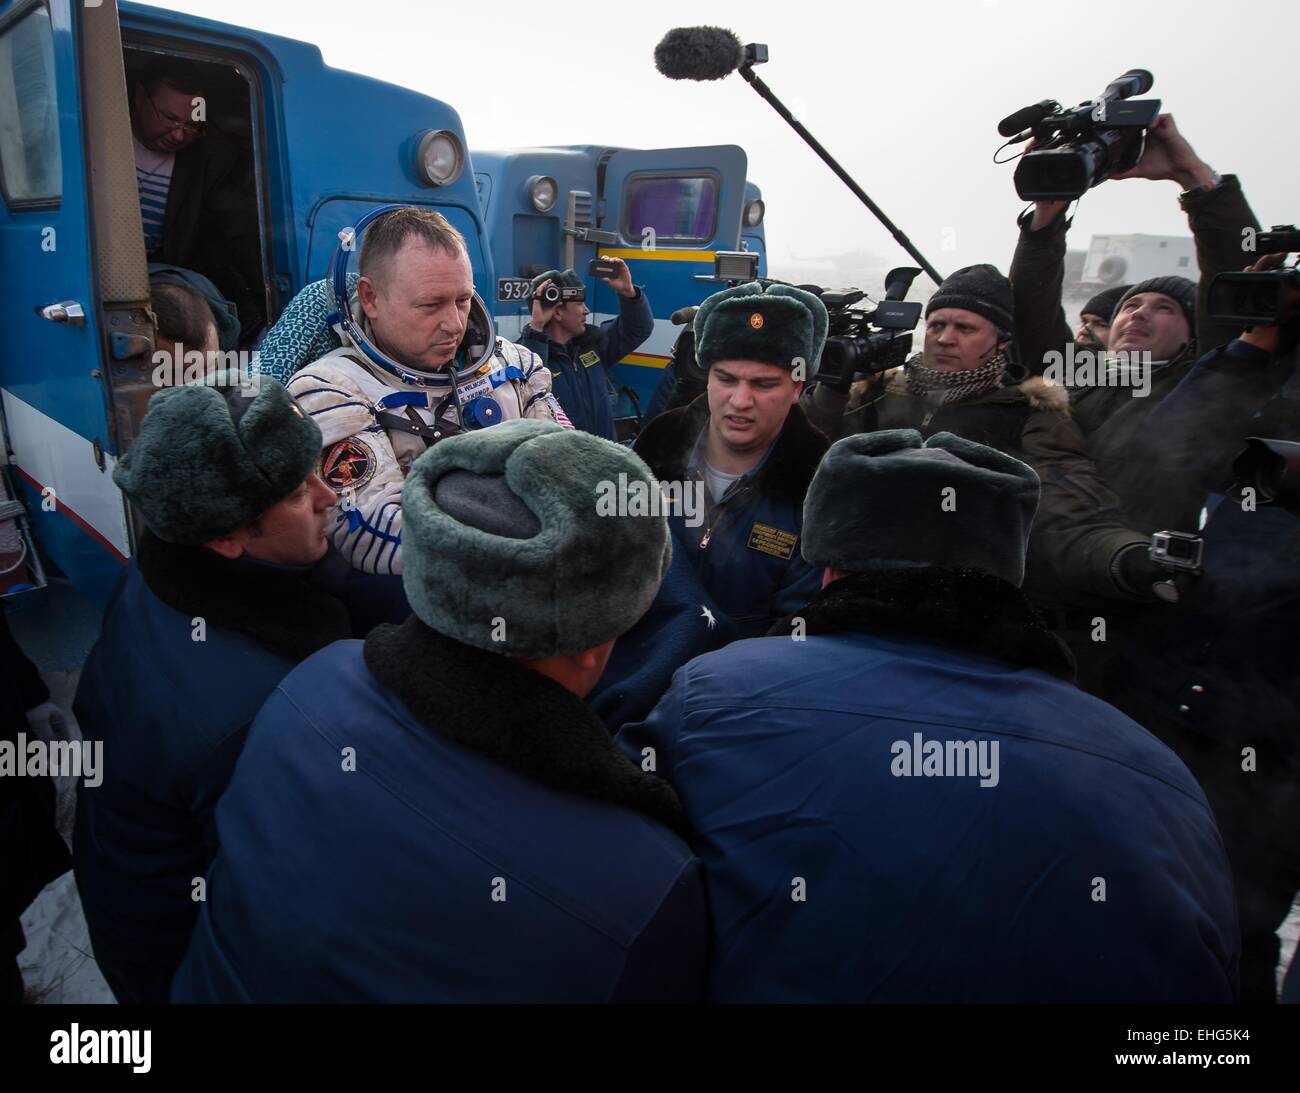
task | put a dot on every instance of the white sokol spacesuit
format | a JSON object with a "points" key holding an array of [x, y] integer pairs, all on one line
{"points": [[377, 416]]}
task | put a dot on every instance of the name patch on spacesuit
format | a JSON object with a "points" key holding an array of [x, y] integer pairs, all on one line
{"points": [[471, 389], [347, 465]]}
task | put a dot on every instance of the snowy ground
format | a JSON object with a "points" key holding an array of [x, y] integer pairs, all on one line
{"points": [[57, 964]]}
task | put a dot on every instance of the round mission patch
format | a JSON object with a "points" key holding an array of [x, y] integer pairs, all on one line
{"points": [[347, 465]]}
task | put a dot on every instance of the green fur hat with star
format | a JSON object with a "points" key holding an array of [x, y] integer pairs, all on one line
{"points": [[777, 324]]}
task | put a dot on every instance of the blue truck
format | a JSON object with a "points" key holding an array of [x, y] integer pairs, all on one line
{"points": [[77, 375]]}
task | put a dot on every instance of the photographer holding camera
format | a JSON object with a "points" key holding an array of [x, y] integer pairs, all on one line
{"points": [[572, 348], [1215, 676], [1159, 317]]}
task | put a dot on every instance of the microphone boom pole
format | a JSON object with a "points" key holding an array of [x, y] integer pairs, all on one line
{"points": [[751, 77]]}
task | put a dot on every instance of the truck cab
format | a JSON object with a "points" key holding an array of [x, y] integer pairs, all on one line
{"points": [[314, 148], [666, 211]]}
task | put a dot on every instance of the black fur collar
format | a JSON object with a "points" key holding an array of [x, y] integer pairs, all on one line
{"points": [[964, 607], [668, 440], [514, 716], [278, 608]]}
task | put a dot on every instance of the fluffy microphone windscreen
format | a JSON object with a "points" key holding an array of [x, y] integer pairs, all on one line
{"points": [[698, 53]]}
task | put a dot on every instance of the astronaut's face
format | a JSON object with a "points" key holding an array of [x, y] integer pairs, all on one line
{"points": [[418, 304]]}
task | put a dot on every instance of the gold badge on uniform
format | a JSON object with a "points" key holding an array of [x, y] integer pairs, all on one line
{"points": [[589, 358], [756, 321], [774, 541]]}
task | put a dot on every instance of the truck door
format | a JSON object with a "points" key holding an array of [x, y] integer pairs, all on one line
{"points": [[55, 397], [672, 208]]}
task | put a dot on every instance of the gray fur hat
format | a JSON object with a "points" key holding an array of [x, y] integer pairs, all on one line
{"points": [[210, 460], [507, 547], [880, 501]]}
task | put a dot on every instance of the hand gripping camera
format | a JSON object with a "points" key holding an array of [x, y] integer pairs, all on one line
{"points": [[1259, 298], [1082, 146]]}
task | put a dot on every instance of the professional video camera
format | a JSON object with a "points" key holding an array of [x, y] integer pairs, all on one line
{"points": [[866, 341], [1080, 147], [1258, 299], [557, 294]]}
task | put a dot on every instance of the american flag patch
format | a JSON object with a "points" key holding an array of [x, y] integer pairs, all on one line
{"points": [[560, 415]]}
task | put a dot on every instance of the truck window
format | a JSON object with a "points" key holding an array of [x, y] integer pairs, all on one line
{"points": [[30, 164], [679, 209]]}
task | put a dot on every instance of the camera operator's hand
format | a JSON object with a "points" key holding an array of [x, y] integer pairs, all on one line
{"points": [[1045, 212], [1149, 579], [622, 283], [1269, 338], [1167, 155], [543, 313]]}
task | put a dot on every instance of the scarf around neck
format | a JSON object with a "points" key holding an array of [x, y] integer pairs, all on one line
{"points": [[940, 387]]}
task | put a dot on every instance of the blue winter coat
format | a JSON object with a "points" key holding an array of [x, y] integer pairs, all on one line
{"points": [[172, 712], [746, 551], [580, 369], [423, 821], [1091, 871]]}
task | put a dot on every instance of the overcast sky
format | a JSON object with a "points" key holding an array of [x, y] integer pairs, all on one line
{"points": [[906, 95]]}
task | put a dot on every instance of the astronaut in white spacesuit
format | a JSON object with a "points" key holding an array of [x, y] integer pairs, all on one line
{"points": [[421, 364]]}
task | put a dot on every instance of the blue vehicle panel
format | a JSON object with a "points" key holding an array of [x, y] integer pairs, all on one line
{"points": [[695, 198], [324, 146], [59, 406]]}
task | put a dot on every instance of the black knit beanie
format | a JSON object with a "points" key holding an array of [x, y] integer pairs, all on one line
{"points": [[981, 289]]}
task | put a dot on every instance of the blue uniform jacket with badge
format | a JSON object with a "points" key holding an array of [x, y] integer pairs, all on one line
{"points": [[415, 820], [580, 369], [191, 646], [746, 550], [863, 841]]}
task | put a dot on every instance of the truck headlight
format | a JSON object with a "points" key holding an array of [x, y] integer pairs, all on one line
{"points": [[439, 158], [543, 191]]}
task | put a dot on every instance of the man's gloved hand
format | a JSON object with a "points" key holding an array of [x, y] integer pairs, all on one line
{"points": [[1139, 575], [48, 722]]}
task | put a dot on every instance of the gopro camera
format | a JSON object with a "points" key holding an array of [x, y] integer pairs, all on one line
{"points": [[1177, 550]]}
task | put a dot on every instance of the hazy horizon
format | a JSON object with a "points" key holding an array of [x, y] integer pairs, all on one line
{"points": [[910, 107]]}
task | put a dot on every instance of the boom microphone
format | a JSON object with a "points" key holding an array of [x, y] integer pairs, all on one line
{"points": [[699, 53]]}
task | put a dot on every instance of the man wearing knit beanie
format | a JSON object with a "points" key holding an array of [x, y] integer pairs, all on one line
{"points": [[452, 823], [1093, 331], [1158, 331], [900, 796], [961, 383], [745, 451], [216, 607]]}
